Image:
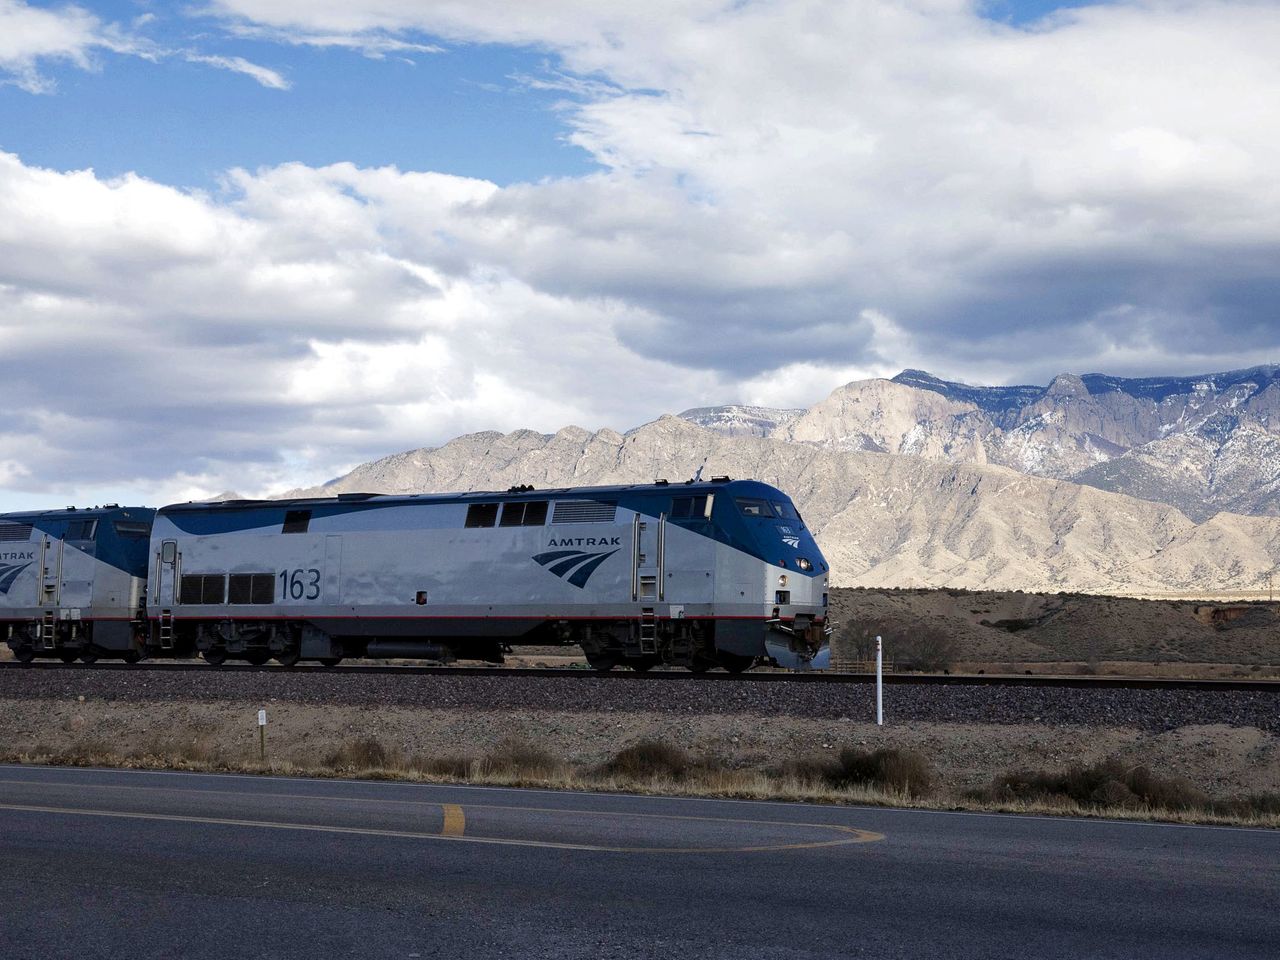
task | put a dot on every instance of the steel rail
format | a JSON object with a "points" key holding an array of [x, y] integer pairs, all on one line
{"points": [[623, 675]]}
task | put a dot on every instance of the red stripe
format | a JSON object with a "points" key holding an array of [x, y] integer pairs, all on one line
{"points": [[543, 618]]}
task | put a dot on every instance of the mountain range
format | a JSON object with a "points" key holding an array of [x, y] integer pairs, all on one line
{"points": [[1090, 484]]}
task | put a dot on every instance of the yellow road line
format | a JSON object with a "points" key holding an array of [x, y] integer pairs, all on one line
{"points": [[455, 821], [853, 835], [254, 794]]}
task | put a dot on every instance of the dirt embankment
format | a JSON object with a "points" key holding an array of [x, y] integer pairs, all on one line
{"points": [[1102, 634], [1221, 760]]}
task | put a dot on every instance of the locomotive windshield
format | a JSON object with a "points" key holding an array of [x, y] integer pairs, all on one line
{"points": [[774, 509]]}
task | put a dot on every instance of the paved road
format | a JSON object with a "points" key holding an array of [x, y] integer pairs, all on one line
{"points": [[132, 864]]}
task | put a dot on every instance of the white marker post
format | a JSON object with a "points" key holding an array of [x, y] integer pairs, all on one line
{"points": [[262, 735], [879, 682]]}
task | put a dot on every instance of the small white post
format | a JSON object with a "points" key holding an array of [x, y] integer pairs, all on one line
{"points": [[879, 682], [262, 735]]}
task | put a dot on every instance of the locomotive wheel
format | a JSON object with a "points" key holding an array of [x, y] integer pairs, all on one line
{"points": [[644, 664], [68, 656], [330, 661], [700, 666], [257, 657], [24, 654], [89, 655], [216, 656], [133, 656], [289, 658]]}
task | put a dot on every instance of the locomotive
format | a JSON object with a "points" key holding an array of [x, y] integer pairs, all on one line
{"points": [[697, 574]]}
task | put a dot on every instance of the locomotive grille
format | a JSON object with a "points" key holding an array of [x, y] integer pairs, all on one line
{"points": [[584, 511], [13, 532]]}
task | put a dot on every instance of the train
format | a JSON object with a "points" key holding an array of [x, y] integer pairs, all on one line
{"points": [[702, 574]]}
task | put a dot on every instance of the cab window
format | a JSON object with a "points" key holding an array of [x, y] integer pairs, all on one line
{"points": [[691, 508], [81, 529], [754, 508], [785, 510]]}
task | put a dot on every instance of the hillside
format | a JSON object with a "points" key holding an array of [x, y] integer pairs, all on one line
{"points": [[1201, 444], [883, 520]]}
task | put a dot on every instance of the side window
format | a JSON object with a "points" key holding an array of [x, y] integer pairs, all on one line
{"points": [[296, 521], [532, 514], [252, 588], [81, 529], [482, 514], [132, 529], [204, 588], [690, 508]]}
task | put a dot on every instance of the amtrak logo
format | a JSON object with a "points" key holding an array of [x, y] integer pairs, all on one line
{"points": [[9, 573], [793, 542], [573, 565]]}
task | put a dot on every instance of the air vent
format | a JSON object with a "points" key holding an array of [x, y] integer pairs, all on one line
{"points": [[584, 511], [14, 532]]}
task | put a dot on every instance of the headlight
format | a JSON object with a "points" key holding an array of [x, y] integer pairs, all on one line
{"points": [[782, 579], [804, 564]]}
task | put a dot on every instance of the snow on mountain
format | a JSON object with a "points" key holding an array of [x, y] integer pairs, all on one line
{"points": [[737, 420], [1203, 444]]}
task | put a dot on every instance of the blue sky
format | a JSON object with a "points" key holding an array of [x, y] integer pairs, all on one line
{"points": [[320, 231], [463, 110], [469, 109]]}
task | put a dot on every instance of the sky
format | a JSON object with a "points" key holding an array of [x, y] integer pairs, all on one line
{"points": [[248, 244]]}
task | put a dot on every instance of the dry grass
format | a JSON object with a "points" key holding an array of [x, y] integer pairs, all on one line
{"points": [[886, 777]]}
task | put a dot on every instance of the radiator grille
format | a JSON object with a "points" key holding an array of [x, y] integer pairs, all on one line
{"points": [[584, 511], [13, 532]]}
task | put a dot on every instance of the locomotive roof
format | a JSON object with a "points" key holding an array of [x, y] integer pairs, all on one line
{"points": [[675, 488], [107, 510]]}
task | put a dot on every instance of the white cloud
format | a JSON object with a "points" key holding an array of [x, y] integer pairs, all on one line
{"points": [[792, 193], [303, 322], [264, 75], [910, 156], [30, 34]]}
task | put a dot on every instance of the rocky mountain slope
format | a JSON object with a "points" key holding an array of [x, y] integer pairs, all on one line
{"points": [[914, 518], [736, 420], [1202, 444]]}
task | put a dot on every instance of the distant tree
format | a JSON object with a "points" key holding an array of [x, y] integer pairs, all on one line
{"points": [[909, 644]]}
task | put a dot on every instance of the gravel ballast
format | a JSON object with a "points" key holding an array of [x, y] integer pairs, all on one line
{"points": [[904, 702]]}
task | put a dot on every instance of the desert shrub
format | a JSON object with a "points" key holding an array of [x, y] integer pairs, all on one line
{"points": [[367, 753], [890, 769], [516, 757], [648, 759], [1111, 783], [893, 769]]}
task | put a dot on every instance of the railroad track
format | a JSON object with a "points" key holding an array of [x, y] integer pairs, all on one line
{"points": [[673, 676]]}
